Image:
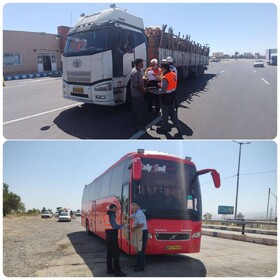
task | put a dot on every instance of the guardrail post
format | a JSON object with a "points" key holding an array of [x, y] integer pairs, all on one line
{"points": [[243, 228]]}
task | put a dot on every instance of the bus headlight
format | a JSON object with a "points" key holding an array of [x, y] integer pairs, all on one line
{"points": [[104, 87], [196, 235], [150, 236]]}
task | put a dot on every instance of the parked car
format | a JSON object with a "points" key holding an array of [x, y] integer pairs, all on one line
{"points": [[46, 214], [258, 63], [78, 213], [64, 217]]}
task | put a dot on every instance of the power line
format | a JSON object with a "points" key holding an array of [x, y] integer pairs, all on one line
{"points": [[244, 174]]}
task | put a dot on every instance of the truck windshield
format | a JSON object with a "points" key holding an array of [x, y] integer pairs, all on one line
{"points": [[165, 192], [88, 42]]}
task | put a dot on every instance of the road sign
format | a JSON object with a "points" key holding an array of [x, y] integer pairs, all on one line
{"points": [[225, 210]]}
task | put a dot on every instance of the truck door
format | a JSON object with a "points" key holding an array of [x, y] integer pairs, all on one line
{"points": [[124, 234], [129, 52]]}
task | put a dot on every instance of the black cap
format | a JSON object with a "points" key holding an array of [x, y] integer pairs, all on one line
{"points": [[165, 66]]}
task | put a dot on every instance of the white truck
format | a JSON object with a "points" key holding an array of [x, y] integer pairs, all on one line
{"points": [[271, 56], [101, 49]]}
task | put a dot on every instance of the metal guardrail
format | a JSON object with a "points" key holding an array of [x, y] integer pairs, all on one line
{"points": [[240, 222]]}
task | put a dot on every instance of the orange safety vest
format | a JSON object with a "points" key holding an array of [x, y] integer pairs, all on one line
{"points": [[172, 81], [157, 71], [107, 224]]}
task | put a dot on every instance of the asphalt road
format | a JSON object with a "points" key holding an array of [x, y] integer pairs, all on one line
{"points": [[34, 247], [232, 100], [85, 256]]}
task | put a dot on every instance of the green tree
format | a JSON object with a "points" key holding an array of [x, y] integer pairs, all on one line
{"points": [[11, 201]]}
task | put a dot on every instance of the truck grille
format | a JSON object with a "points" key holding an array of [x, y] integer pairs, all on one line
{"points": [[79, 76], [172, 236]]}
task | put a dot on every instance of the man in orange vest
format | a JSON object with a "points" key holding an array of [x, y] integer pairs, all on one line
{"points": [[168, 87], [111, 230], [153, 75]]}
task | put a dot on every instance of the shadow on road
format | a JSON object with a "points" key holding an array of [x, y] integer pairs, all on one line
{"points": [[92, 250], [102, 122], [91, 121], [188, 88]]}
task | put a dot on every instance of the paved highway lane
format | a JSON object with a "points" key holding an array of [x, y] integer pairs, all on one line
{"points": [[239, 102], [232, 100]]}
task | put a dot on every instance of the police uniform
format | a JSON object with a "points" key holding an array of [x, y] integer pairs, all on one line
{"points": [[113, 254], [169, 85]]}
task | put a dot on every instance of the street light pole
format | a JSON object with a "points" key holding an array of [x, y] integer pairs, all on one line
{"points": [[237, 186]]}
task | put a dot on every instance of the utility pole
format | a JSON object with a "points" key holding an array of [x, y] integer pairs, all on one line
{"points": [[267, 203], [238, 171]]}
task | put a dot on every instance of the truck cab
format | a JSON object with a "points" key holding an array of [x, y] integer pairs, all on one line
{"points": [[99, 54]]}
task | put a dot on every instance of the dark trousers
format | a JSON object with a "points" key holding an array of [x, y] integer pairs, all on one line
{"points": [[153, 99], [113, 255], [139, 110], [167, 111], [141, 256]]}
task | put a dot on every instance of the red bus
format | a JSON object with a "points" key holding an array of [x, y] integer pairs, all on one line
{"points": [[167, 189]]}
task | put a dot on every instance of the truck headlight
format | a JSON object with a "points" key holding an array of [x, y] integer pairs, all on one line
{"points": [[104, 87], [150, 236]]}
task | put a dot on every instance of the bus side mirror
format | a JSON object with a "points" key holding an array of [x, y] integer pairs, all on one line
{"points": [[137, 169], [216, 178], [214, 173]]}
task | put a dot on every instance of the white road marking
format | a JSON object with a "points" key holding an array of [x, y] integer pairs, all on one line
{"points": [[265, 81], [254, 71], [44, 113], [222, 71], [29, 81], [139, 133]]}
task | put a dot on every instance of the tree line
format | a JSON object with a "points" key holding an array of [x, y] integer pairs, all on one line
{"points": [[12, 203]]}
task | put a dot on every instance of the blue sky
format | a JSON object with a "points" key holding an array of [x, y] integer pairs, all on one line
{"points": [[53, 173], [226, 27]]}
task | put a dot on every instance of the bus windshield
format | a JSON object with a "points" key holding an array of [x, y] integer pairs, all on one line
{"points": [[88, 42], [165, 191]]}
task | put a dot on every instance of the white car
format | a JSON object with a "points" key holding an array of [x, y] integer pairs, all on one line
{"points": [[64, 217], [46, 214], [258, 63]]}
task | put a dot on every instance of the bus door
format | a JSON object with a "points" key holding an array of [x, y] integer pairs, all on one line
{"points": [[93, 222], [124, 242]]}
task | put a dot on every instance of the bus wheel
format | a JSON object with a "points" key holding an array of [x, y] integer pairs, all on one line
{"points": [[87, 229]]}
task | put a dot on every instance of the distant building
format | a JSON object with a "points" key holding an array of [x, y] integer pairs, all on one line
{"points": [[248, 55], [218, 54], [32, 52], [257, 55]]}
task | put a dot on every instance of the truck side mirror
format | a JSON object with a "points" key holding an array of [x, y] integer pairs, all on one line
{"points": [[137, 169]]}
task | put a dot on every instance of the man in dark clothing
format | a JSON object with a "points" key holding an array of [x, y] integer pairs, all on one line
{"points": [[111, 230], [138, 92], [168, 87]]}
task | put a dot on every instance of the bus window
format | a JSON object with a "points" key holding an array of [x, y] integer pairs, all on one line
{"points": [[105, 189], [97, 188], [169, 183], [116, 181]]}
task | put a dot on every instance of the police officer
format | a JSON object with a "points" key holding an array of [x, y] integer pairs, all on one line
{"points": [[111, 230], [168, 87], [173, 69]]}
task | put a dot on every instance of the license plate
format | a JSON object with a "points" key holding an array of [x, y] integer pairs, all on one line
{"points": [[78, 90], [174, 247]]}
